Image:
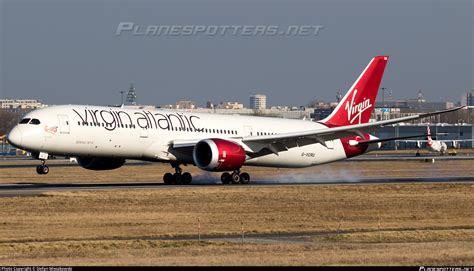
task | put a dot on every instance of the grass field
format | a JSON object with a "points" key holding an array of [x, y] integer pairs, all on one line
{"points": [[346, 224]]}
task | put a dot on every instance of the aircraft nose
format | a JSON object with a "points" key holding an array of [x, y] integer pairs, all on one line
{"points": [[15, 137]]}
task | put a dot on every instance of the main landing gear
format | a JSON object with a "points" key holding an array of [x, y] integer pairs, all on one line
{"points": [[178, 177], [235, 177]]}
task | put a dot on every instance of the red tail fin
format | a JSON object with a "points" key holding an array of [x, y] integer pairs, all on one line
{"points": [[357, 104], [430, 141]]}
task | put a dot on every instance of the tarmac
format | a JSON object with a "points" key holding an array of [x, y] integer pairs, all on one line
{"points": [[33, 189]]}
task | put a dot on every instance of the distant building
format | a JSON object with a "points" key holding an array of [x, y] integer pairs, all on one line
{"points": [[185, 105], [468, 98], [418, 104], [445, 131], [281, 108], [20, 104], [415, 104], [321, 113], [258, 101], [230, 105]]}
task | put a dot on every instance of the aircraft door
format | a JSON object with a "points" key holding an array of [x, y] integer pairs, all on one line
{"points": [[63, 124], [248, 131]]}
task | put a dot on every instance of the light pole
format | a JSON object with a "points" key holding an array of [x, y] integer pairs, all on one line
{"points": [[383, 96], [460, 122], [383, 102], [121, 96]]}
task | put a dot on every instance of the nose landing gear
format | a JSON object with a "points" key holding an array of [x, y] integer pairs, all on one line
{"points": [[42, 169]]}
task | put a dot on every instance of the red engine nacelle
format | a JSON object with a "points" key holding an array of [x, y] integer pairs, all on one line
{"points": [[218, 155]]}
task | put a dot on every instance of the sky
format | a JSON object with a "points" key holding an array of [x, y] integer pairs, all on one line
{"points": [[68, 52]]}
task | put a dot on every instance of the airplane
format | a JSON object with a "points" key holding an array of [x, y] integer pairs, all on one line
{"points": [[103, 138], [438, 146]]}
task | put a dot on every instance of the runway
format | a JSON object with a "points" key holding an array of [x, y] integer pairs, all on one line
{"points": [[404, 157], [34, 189], [19, 162]]}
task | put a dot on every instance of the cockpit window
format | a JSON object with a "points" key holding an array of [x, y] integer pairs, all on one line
{"points": [[35, 121], [24, 121]]}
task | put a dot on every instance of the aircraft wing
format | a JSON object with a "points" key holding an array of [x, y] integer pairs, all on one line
{"points": [[413, 141], [284, 141], [443, 140], [456, 140]]}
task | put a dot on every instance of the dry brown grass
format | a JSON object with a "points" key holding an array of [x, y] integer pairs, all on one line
{"points": [[80, 227], [420, 224], [219, 253]]}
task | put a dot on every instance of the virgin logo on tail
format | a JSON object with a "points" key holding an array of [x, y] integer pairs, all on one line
{"points": [[355, 111], [430, 141], [357, 104]]}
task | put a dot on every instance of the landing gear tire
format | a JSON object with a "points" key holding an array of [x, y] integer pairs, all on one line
{"points": [[38, 169], [225, 177], [186, 178], [177, 177], [244, 178], [45, 169], [235, 178], [168, 178], [42, 169]]}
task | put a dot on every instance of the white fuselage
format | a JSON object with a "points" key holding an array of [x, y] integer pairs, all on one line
{"points": [[147, 134], [437, 146]]}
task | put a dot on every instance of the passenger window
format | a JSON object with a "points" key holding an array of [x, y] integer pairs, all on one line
{"points": [[35, 121]]}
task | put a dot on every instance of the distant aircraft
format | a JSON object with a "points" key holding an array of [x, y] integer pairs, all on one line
{"points": [[438, 146], [103, 138]]}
